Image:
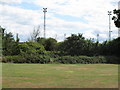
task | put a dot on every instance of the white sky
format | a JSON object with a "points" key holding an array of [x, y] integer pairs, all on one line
{"points": [[89, 17]]}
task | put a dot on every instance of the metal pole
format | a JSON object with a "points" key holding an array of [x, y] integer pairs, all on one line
{"points": [[109, 28], [97, 37], [44, 25], [44, 10], [64, 36], [109, 13]]}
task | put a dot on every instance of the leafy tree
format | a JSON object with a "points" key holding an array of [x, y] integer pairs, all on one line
{"points": [[9, 45], [90, 48], [41, 40], [74, 45], [50, 44], [114, 47], [116, 18], [1, 36], [31, 48], [2, 31], [103, 48]]}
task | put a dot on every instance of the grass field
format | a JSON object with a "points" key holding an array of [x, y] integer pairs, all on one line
{"points": [[60, 76]]}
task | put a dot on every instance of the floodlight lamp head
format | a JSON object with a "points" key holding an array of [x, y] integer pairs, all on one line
{"points": [[109, 11], [109, 14], [45, 10]]}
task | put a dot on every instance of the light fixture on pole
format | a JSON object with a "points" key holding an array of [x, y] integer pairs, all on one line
{"points": [[44, 10], [109, 13]]}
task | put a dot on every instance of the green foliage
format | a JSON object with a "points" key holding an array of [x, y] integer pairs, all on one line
{"points": [[116, 18], [35, 58], [31, 48], [49, 44], [43, 59], [1, 35], [12, 59], [81, 60], [74, 45], [53, 54], [41, 40], [10, 47], [114, 47], [50, 51], [87, 60], [77, 45], [27, 58], [113, 59], [110, 48]]}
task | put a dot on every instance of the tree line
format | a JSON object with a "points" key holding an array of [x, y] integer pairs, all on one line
{"points": [[46, 48]]}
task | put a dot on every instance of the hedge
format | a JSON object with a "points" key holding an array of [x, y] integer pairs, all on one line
{"points": [[81, 60], [26, 59], [31, 58]]}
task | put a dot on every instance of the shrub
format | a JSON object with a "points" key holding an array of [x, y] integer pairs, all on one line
{"points": [[112, 59], [80, 59], [36, 58], [12, 59], [31, 58], [52, 54], [31, 47]]}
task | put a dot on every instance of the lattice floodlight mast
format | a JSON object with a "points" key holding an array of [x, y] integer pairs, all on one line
{"points": [[109, 13], [97, 37], [44, 10]]}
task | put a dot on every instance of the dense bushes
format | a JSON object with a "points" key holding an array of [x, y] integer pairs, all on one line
{"points": [[31, 47], [113, 59], [64, 59], [81, 59], [26, 59], [87, 60], [11, 59]]}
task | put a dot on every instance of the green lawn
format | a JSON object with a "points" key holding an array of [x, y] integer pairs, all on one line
{"points": [[60, 76]]}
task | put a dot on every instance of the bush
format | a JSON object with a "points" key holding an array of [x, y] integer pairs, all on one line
{"points": [[112, 59], [12, 59], [31, 58], [53, 54], [31, 47], [36, 58], [81, 59]]}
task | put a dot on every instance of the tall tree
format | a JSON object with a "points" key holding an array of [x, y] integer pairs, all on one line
{"points": [[74, 45], [9, 45], [1, 37], [50, 44], [116, 18]]}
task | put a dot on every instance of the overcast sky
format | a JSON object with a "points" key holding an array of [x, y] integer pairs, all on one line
{"points": [[89, 17]]}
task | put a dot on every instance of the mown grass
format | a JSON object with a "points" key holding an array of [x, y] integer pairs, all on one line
{"points": [[60, 76]]}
